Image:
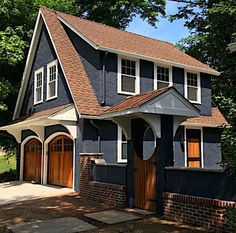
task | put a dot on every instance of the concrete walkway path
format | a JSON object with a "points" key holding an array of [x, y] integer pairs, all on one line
{"points": [[11, 192]]}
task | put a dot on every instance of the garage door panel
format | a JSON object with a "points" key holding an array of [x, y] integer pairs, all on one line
{"points": [[32, 160], [61, 161]]}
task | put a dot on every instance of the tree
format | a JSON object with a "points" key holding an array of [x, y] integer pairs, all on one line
{"points": [[212, 26]]}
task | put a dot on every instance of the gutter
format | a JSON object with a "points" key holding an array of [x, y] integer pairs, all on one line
{"points": [[98, 132], [103, 102]]}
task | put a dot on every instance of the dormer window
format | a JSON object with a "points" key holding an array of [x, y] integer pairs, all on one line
{"points": [[192, 87], [162, 77], [128, 76], [38, 86], [52, 79]]}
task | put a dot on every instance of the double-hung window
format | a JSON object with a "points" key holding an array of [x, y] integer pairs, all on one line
{"points": [[162, 77], [121, 146], [52, 79], [38, 86], [128, 76], [192, 87]]}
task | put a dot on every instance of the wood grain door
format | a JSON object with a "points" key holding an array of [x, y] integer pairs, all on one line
{"points": [[60, 162], [145, 182], [32, 160], [193, 147]]}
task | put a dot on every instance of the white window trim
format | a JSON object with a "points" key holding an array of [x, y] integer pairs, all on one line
{"points": [[119, 146], [199, 92], [155, 75], [185, 145], [38, 71], [137, 79], [49, 65]]}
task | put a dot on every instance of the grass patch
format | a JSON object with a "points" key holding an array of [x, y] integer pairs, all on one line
{"points": [[6, 165]]}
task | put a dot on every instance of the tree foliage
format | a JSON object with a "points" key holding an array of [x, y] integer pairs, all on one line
{"points": [[212, 26]]}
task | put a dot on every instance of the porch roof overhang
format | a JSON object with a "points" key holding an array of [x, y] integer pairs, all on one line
{"points": [[65, 115], [167, 101]]}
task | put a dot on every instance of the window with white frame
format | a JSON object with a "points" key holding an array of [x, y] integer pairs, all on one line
{"points": [[162, 77], [38, 86], [121, 146], [128, 76], [192, 87], [52, 79]]}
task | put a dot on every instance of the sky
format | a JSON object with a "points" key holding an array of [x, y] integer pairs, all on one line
{"points": [[167, 31]]}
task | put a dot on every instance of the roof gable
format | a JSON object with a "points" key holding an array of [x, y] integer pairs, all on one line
{"points": [[162, 101], [108, 38], [75, 75]]}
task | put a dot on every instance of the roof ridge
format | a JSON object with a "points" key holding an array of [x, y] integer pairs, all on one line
{"points": [[105, 25]]}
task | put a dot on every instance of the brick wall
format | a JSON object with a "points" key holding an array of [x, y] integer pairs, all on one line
{"points": [[110, 194], [204, 212]]}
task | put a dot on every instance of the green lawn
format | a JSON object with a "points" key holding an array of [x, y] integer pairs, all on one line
{"points": [[6, 165]]}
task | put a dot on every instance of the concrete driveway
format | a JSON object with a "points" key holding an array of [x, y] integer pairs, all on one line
{"points": [[11, 192]]}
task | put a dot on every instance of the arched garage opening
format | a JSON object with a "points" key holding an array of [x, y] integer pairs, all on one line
{"points": [[60, 161], [32, 160]]}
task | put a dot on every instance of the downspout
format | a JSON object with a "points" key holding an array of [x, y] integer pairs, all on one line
{"points": [[103, 102], [98, 132]]}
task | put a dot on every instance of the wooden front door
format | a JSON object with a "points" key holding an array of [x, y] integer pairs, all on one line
{"points": [[145, 182], [193, 147], [32, 160], [60, 162]]}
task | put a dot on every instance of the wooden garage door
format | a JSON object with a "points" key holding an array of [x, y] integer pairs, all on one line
{"points": [[32, 160], [60, 161]]}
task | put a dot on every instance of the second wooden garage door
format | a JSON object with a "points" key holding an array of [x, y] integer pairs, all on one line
{"points": [[60, 164]]}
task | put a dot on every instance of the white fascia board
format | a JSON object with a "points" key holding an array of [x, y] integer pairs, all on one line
{"points": [[59, 62], [204, 125], [29, 62], [134, 55]]}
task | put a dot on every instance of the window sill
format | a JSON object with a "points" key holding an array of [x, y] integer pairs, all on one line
{"points": [[127, 93], [51, 98], [38, 103]]}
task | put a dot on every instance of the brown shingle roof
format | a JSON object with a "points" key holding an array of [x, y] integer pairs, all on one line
{"points": [[216, 119], [81, 88], [136, 100], [111, 38]]}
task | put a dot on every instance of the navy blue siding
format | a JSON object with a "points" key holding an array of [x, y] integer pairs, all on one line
{"points": [[146, 76], [27, 133], [108, 137], [200, 183], [49, 130], [211, 147], [113, 174], [179, 147], [45, 54], [178, 79]]}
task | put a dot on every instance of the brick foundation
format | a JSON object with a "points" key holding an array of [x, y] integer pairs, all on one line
{"points": [[110, 194], [203, 212]]}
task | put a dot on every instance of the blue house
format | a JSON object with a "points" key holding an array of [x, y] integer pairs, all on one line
{"points": [[104, 112]]}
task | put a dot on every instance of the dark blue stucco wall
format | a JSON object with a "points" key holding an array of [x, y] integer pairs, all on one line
{"points": [[44, 54], [49, 130], [27, 133], [178, 79], [108, 137], [211, 147]]}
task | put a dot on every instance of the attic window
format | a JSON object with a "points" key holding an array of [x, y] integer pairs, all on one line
{"points": [[38, 86], [162, 77], [192, 87], [128, 76], [52, 79]]}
